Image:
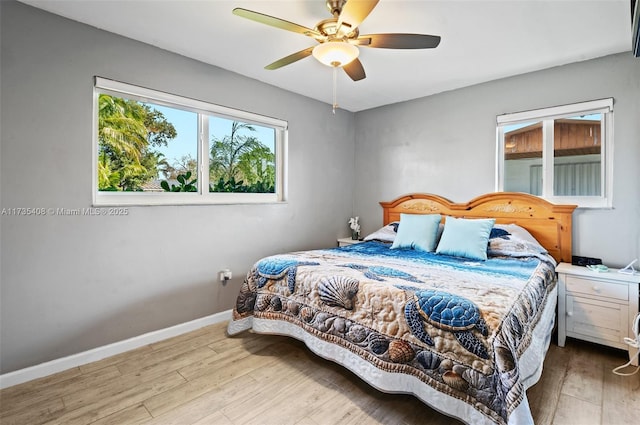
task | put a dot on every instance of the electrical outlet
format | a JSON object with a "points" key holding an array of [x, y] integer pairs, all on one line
{"points": [[225, 275]]}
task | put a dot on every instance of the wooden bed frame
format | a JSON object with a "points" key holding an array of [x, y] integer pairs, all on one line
{"points": [[550, 224]]}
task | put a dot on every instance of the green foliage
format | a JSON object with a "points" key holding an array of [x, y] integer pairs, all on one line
{"points": [[127, 131], [262, 187], [181, 166], [241, 163], [121, 131], [185, 185], [257, 166], [159, 130], [232, 185], [107, 178]]}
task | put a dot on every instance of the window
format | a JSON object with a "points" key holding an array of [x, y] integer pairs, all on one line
{"points": [[155, 148], [563, 154]]}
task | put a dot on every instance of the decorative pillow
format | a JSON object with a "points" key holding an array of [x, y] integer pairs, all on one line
{"points": [[513, 231], [497, 232], [512, 240], [384, 234], [465, 238], [417, 232]]}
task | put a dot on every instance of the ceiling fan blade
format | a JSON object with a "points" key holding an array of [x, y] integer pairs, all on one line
{"points": [[400, 41], [354, 12], [355, 70], [275, 22], [290, 59]]}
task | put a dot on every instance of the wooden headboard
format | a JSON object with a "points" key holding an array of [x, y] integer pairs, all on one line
{"points": [[550, 224]]}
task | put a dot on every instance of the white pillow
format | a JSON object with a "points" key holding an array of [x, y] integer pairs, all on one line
{"points": [[520, 233], [385, 234]]}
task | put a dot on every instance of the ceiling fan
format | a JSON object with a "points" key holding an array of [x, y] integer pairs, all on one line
{"points": [[339, 36]]}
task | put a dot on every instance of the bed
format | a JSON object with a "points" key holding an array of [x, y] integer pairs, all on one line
{"points": [[451, 302]]}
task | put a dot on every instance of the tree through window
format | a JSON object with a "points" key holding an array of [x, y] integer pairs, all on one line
{"points": [[157, 148], [240, 160]]}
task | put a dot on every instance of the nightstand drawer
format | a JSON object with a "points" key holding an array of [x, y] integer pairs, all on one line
{"points": [[597, 321], [597, 288]]}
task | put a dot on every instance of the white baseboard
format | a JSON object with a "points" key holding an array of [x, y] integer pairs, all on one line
{"points": [[58, 365]]}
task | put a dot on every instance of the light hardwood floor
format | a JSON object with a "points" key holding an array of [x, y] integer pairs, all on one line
{"points": [[205, 377]]}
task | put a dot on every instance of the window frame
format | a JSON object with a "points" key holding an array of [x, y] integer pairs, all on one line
{"points": [[547, 116], [204, 110]]}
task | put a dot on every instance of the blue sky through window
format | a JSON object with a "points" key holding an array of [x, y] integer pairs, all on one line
{"points": [[186, 125]]}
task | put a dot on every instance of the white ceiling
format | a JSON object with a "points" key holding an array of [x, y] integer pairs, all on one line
{"points": [[481, 40]]}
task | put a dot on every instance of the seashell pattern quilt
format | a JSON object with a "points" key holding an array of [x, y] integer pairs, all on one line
{"points": [[460, 327]]}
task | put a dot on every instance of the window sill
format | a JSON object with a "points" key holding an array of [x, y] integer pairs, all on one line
{"points": [[583, 202], [103, 199]]}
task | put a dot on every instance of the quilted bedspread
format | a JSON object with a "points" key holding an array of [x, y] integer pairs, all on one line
{"points": [[459, 327]]}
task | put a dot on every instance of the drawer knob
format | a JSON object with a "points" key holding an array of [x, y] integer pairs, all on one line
{"points": [[596, 288], [570, 313]]}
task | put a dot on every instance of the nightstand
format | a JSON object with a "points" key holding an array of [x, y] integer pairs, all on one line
{"points": [[596, 307], [348, 241]]}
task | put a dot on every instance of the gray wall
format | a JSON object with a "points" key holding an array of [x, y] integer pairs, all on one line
{"points": [[446, 144], [73, 283]]}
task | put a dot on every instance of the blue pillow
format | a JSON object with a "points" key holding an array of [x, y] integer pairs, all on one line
{"points": [[417, 231], [465, 238]]}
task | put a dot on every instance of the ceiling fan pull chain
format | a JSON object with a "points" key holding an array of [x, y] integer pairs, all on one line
{"points": [[335, 89]]}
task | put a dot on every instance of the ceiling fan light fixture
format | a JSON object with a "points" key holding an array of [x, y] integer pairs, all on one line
{"points": [[335, 53]]}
